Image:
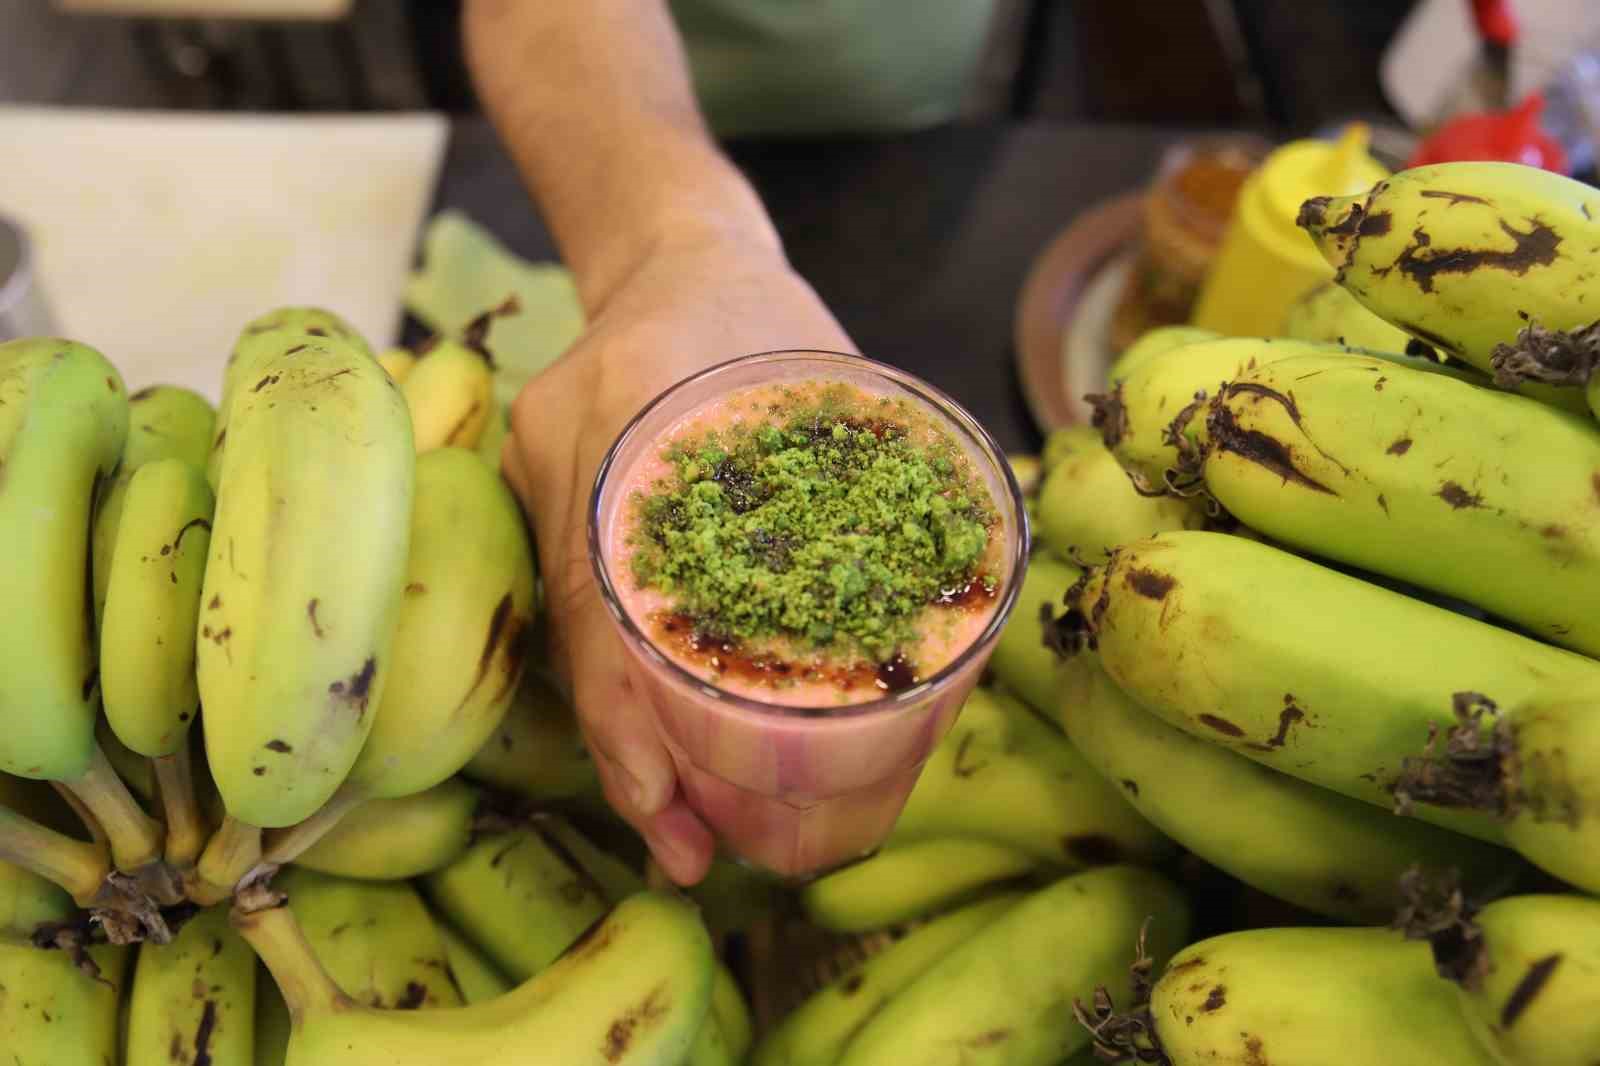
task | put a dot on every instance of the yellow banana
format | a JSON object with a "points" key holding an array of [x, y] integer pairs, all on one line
{"points": [[1088, 505], [28, 901], [633, 992], [450, 392], [303, 586], [1463, 256], [1136, 418], [194, 1000], [815, 1032], [458, 648], [375, 939], [136, 771], [1021, 661], [1329, 313], [474, 975], [1386, 468], [910, 881], [519, 897], [397, 839], [1327, 853], [1323, 676], [397, 363], [492, 442], [731, 1014], [1026, 469], [54, 1013], [537, 751], [1302, 997], [259, 339], [1526, 967], [1002, 774], [1005, 996], [1153, 342]]}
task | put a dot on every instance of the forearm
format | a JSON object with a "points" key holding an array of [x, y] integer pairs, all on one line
{"points": [[593, 100]]}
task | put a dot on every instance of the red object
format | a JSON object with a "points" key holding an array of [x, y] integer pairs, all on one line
{"points": [[1510, 136], [1496, 23]]}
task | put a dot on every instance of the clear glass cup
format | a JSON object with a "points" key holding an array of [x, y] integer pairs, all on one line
{"points": [[797, 791]]}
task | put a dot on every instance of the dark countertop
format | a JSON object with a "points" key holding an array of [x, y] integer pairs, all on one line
{"points": [[919, 243]]}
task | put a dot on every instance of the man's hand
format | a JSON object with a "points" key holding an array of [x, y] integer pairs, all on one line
{"points": [[683, 308]]}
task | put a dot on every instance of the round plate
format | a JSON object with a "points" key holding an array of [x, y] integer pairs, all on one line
{"points": [[1073, 277]]}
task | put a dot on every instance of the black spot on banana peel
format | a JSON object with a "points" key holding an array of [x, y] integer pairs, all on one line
{"points": [[1458, 497], [1221, 725], [202, 1036], [1523, 995], [1538, 245], [1150, 584], [357, 690], [1254, 446], [414, 996], [1453, 197], [619, 1037], [1216, 999], [1110, 415]]}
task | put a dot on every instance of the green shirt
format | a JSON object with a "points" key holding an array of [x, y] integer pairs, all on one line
{"points": [[831, 66]]}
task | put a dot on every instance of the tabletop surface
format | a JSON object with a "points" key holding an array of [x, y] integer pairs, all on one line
{"points": [[918, 243]]}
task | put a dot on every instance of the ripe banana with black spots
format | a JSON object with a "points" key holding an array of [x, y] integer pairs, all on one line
{"points": [[375, 939], [1299, 997], [397, 839], [261, 339], [450, 392], [56, 1013], [303, 585], [1526, 968], [1320, 675], [193, 1000], [1004, 775], [1329, 313], [1005, 996], [1021, 661], [815, 1032], [1088, 505], [633, 992], [1364, 462], [1464, 256], [458, 648], [910, 881], [1327, 853], [518, 895]]}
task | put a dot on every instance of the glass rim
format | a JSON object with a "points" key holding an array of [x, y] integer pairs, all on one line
{"points": [[931, 395]]}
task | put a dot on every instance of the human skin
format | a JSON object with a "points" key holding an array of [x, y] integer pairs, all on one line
{"points": [[678, 267]]}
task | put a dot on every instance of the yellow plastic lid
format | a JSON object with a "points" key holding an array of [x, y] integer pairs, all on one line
{"points": [[1299, 170]]}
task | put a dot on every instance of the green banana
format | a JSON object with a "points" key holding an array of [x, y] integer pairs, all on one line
{"points": [[1329, 313], [1361, 461], [1323, 676], [1300, 997], [1153, 342], [196, 995], [1021, 661], [1002, 774], [518, 896], [633, 992], [616, 879], [302, 589], [1526, 967], [135, 771], [457, 653], [1026, 469], [376, 939], [1535, 768], [910, 881], [54, 1013], [537, 751], [28, 901], [261, 338], [493, 440], [816, 1032], [1004, 997], [450, 392], [1136, 418], [1087, 504], [1321, 851], [396, 839], [473, 973], [731, 1013], [1464, 256], [63, 420], [273, 1024]]}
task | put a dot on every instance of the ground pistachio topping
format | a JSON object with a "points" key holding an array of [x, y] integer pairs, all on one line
{"points": [[827, 522]]}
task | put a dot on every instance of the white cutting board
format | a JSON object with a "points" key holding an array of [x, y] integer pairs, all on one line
{"points": [[157, 235]]}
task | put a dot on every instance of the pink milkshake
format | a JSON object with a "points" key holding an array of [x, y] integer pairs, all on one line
{"points": [[809, 557]]}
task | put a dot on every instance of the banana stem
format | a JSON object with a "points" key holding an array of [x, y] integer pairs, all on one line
{"points": [[281, 944], [97, 832], [186, 829], [286, 846], [233, 851], [76, 865], [135, 836]]}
